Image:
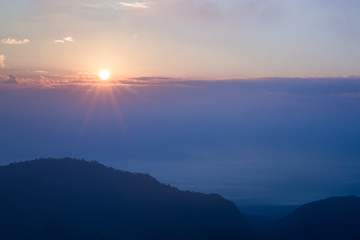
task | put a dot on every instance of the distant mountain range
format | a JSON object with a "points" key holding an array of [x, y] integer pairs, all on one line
{"points": [[65, 199], [68, 199], [333, 218]]}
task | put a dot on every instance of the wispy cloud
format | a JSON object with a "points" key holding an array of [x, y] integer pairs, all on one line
{"points": [[272, 88], [229, 11], [87, 73], [64, 40], [40, 71], [116, 5], [2, 61], [11, 80], [13, 41], [134, 5]]}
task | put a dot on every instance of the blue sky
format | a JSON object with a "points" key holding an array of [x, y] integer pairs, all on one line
{"points": [[255, 99], [263, 141]]}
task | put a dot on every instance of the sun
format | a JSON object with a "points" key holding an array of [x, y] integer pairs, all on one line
{"points": [[104, 74]]}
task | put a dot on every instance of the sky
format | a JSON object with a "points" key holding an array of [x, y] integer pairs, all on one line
{"points": [[264, 141], [182, 38], [256, 100]]}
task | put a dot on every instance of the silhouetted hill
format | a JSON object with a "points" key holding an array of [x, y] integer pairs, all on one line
{"points": [[332, 218], [74, 199]]}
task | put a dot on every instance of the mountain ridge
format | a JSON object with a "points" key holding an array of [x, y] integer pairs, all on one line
{"points": [[71, 199], [329, 218]]}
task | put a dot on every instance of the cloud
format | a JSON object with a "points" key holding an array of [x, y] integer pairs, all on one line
{"points": [[13, 41], [2, 61], [40, 71], [134, 5], [64, 40], [231, 11], [87, 73], [272, 88], [68, 39], [11, 80], [116, 5]]}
